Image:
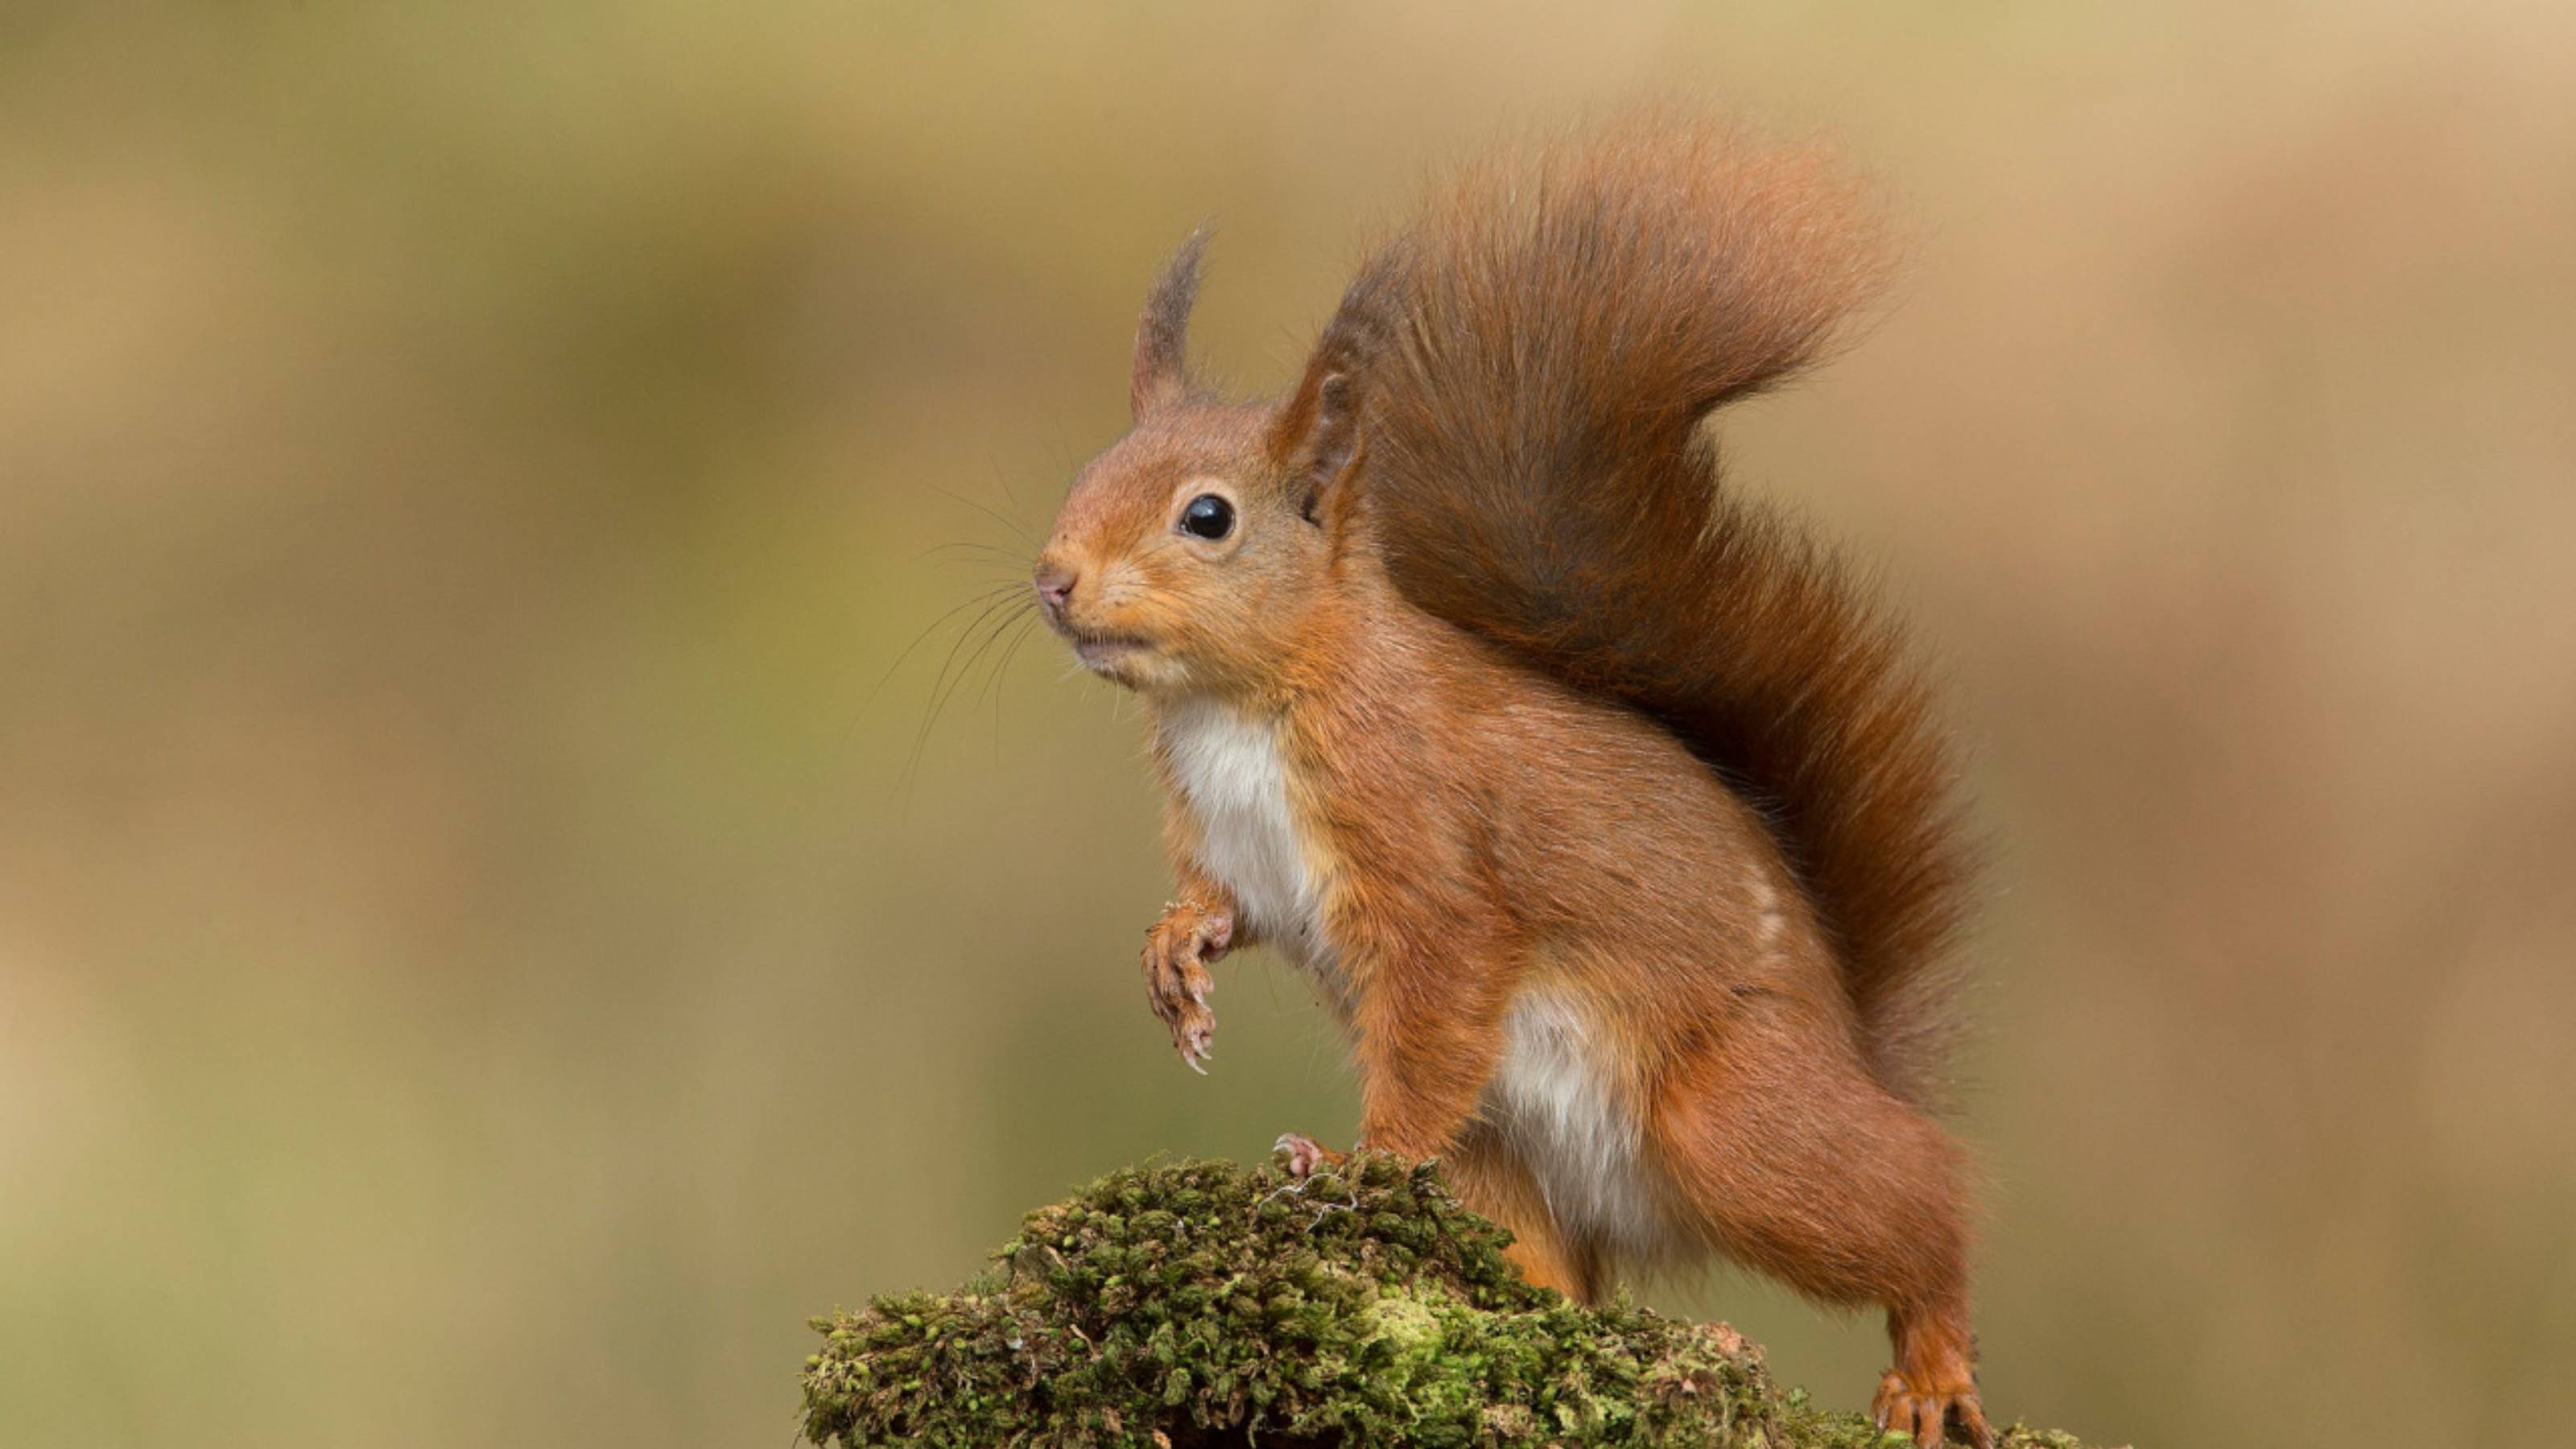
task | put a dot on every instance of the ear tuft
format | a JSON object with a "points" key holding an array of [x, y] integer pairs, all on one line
{"points": [[1161, 375]]}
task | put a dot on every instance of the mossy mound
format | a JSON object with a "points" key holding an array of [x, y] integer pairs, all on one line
{"points": [[1202, 1303]]}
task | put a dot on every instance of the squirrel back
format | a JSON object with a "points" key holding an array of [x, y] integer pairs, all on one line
{"points": [[1532, 359]]}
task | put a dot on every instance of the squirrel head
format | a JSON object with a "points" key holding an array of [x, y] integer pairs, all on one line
{"points": [[1193, 554]]}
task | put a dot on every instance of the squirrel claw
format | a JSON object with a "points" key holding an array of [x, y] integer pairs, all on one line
{"points": [[1305, 1155], [1177, 984], [1899, 1407]]}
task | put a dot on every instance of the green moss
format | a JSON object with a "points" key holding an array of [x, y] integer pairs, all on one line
{"points": [[1205, 1303]]}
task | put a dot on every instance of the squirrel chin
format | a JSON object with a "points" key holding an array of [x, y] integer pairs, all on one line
{"points": [[1122, 659], [1110, 657]]}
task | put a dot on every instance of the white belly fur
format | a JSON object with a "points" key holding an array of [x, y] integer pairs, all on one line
{"points": [[1229, 770], [1555, 1101]]}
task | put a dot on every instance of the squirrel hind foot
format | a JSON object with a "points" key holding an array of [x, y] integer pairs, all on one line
{"points": [[1926, 1414]]}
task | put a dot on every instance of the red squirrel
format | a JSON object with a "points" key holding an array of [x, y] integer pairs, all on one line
{"points": [[1606, 814]]}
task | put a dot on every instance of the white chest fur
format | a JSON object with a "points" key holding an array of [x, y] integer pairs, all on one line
{"points": [[1231, 777]]}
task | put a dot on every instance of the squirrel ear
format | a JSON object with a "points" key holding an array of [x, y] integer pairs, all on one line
{"points": [[1315, 438], [1160, 376]]}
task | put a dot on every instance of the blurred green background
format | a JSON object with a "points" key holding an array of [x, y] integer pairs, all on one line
{"points": [[478, 964]]}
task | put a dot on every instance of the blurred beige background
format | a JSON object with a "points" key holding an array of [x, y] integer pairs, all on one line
{"points": [[479, 966]]}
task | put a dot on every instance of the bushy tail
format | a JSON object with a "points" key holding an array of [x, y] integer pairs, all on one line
{"points": [[1536, 474]]}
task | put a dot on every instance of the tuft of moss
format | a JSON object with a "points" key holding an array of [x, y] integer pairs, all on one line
{"points": [[1203, 1303]]}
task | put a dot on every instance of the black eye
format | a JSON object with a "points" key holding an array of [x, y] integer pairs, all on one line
{"points": [[1208, 516]]}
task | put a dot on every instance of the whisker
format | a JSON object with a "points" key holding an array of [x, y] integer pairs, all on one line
{"points": [[975, 544], [1003, 477], [993, 681], [917, 641], [995, 514], [943, 686], [983, 651], [1020, 627]]}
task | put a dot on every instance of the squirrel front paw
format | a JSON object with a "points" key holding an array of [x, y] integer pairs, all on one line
{"points": [[1177, 950]]}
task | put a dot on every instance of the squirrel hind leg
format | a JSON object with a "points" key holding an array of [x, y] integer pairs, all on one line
{"points": [[1490, 1178], [1794, 1161], [1547, 1261]]}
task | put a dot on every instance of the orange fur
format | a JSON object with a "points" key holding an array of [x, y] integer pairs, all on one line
{"points": [[1603, 812]]}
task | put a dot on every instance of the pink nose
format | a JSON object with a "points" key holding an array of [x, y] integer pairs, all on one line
{"points": [[1055, 586]]}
